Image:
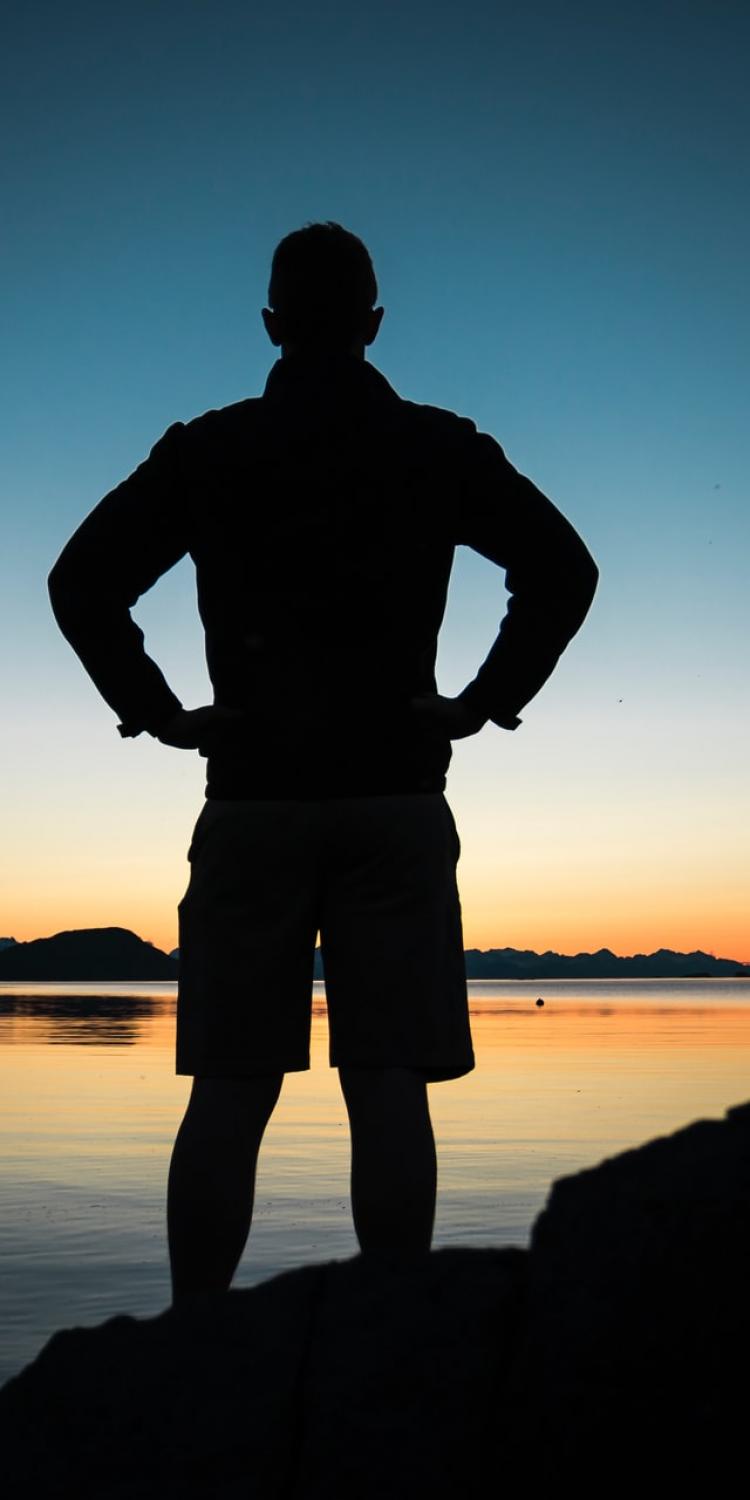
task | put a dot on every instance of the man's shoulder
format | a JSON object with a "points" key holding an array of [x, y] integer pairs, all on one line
{"points": [[459, 437], [442, 429], [439, 416], [221, 421], [222, 425]]}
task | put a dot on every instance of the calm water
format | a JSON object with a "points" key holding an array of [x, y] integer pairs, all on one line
{"points": [[89, 1106]]}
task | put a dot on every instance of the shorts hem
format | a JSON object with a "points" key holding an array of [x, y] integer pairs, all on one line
{"points": [[433, 1072], [214, 1068]]}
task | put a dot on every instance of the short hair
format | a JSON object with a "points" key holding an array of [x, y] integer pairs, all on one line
{"points": [[322, 284]]}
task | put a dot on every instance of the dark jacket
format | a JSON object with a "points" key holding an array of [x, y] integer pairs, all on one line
{"points": [[322, 518]]}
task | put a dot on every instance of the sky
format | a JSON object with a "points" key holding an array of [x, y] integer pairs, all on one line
{"points": [[555, 198]]}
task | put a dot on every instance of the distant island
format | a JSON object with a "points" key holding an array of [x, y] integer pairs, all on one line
{"points": [[110, 953], [114, 953]]}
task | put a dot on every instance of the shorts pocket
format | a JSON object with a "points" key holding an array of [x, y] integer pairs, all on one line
{"points": [[454, 830], [198, 834]]}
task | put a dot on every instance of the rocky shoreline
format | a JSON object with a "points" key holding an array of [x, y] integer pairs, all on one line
{"points": [[611, 1354]]}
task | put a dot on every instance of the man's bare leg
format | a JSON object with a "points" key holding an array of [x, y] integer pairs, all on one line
{"points": [[212, 1180], [394, 1167]]}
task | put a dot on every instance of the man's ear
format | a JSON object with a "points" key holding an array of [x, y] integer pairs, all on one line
{"points": [[271, 324], [372, 326]]}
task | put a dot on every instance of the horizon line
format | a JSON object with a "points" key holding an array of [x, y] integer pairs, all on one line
{"points": [[504, 948]]}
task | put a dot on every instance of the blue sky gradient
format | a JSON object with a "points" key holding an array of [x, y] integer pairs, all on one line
{"points": [[556, 201]]}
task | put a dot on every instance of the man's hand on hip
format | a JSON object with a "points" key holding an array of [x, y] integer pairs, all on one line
{"points": [[448, 715], [191, 727]]}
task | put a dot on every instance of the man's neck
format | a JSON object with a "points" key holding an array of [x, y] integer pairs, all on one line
{"points": [[322, 351]]}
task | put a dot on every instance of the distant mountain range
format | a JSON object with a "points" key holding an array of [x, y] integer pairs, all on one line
{"points": [[114, 953], [510, 963]]}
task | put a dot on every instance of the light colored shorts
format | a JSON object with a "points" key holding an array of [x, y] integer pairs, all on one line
{"points": [[376, 877]]}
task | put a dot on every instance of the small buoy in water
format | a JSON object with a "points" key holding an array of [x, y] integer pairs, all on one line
{"points": [[540, 1001]]}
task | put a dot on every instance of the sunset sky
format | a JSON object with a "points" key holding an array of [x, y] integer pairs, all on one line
{"points": [[556, 201]]}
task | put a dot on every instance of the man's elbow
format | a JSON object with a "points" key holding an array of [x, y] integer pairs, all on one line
{"points": [[579, 579], [65, 594], [581, 570], [58, 589], [53, 582], [590, 578]]}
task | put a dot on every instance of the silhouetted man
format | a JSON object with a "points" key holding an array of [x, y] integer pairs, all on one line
{"points": [[322, 518]]}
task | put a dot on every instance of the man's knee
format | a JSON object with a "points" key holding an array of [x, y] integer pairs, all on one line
{"points": [[381, 1087], [240, 1097]]}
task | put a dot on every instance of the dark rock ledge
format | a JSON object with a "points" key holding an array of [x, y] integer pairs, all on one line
{"points": [[611, 1357]]}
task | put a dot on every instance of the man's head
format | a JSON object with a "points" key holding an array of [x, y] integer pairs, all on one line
{"points": [[322, 292]]}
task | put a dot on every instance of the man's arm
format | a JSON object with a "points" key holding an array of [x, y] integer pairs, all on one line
{"points": [[133, 536], [550, 575]]}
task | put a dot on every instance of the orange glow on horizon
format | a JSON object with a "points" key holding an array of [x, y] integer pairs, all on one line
{"points": [[625, 934]]}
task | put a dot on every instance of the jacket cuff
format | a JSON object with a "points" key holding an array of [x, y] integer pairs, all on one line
{"points": [[506, 721], [475, 699], [129, 729]]}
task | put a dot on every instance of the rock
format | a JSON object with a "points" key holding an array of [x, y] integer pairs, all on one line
{"points": [[639, 1322], [404, 1368], [178, 1405], [610, 1355], [365, 1375]]}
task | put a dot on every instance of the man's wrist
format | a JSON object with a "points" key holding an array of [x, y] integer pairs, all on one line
{"points": [[505, 721], [153, 725], [473, 698], [472, 701]]}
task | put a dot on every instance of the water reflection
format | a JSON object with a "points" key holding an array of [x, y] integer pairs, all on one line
{"points": [[86, 1134], [121, 1015], [62, 1020]]}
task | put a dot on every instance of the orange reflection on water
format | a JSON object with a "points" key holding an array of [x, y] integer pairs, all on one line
{"points": [[92, 1076], [90, 1104]]}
